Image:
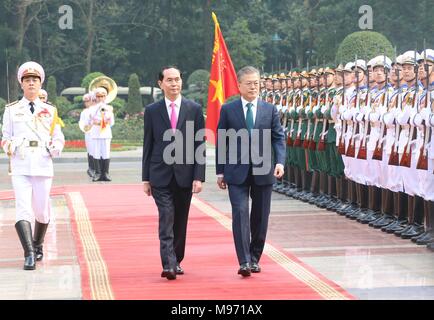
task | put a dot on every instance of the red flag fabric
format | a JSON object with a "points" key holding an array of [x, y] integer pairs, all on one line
{"points": [[222, 83]]}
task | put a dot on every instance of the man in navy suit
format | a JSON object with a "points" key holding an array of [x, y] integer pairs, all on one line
{"points": [[245, 165], [170, 170]]}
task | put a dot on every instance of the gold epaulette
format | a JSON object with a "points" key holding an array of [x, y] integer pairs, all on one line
{"points": [[12, 103]]}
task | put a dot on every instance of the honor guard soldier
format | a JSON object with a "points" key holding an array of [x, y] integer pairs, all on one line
{"points": [[43, 95], [410, 141], [100, 121], [31, 137], [424, 155], [395, 182], [291, 134], [263, 94], [301, 110], [269, 87], [88, 100], [429, 183]]}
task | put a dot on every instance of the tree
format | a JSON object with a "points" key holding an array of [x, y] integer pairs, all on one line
{"points": [[135, 103], [88, 79], [52, 90], [365, 44], [245, 47], [197, 90]]}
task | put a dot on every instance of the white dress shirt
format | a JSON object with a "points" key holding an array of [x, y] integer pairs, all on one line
{"points": [[177, 108], [254, 107]]}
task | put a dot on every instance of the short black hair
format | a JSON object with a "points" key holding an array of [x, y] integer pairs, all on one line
{"points": [[161, 73]]}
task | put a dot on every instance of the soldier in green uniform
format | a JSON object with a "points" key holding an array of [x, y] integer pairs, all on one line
{"points": [[291, 132], [304, 102]]}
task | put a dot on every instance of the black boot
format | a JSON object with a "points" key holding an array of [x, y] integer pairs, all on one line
{"points": [[387, 210], [314, 187], [400, 203], [105, 170], [38, 239], [90, 163], [417, 227], [24, 230], [410, 215], [97, 175], [374, 206], [429, 216], [360, 200]]}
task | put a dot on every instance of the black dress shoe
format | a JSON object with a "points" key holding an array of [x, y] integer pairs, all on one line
{"points": [[414, 231], [179, 270], [39, 253], [30, 262], [255, 268], [245, 270], [170, 274]]}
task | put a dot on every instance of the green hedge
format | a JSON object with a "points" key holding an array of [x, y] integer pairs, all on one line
{"points": [[366, 45], [123, 130]]}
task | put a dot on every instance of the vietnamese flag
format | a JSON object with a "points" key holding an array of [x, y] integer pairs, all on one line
{"points": [[223, 80]]}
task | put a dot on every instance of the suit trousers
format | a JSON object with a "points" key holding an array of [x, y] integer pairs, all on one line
{"points": [[173, 204], [32, 196], [250, 232]]}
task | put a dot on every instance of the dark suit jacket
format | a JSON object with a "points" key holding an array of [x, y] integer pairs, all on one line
{"points": [[157, 121], [267, 117]]}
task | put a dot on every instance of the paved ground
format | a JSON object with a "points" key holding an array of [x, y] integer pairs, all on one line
{"points": [[368, 263]]}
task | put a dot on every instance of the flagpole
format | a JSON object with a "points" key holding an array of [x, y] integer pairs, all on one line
{"points": [[7, 74]]}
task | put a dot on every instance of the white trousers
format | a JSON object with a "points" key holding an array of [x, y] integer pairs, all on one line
{"points": [[426, 178], [89, 144], [32, 198], [101, 148]]}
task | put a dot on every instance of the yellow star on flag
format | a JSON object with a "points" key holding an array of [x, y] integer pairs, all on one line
{"points": [[218, 85]]}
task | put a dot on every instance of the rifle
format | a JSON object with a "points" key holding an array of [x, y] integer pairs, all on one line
{"points": [[341, 147], [321, 143], [312, 143], [394, 155], [351, 151], [289, 141], [422, 162], [297, 142], [362, 149], [306, 137], [378, 152], [406, 156]]}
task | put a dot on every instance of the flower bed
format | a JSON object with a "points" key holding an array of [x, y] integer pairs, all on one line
{"points": [[80, 144]]}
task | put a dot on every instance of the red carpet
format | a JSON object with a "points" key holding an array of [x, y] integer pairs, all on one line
{"points": [[125, 223], [115, 230]]}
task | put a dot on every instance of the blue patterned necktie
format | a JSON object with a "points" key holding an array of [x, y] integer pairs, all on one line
{"points": [[249, 117], [32, 108]]}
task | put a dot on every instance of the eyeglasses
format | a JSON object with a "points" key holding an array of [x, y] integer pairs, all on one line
{"points": [[176, 80], [100, 96]]}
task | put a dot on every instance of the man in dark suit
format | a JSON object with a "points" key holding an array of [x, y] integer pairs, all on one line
{"points": [[170, 170], [245, 164]]}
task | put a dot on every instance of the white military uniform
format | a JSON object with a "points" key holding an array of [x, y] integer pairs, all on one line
{"points": [[82, 123], [393, 181], [32, 140], [100, 114]]}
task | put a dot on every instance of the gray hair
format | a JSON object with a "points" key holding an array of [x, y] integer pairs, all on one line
{"points": [[246, 70]]}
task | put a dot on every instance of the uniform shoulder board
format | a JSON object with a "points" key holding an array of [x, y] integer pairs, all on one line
{"points": [[12, 103], [51, 104]]}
